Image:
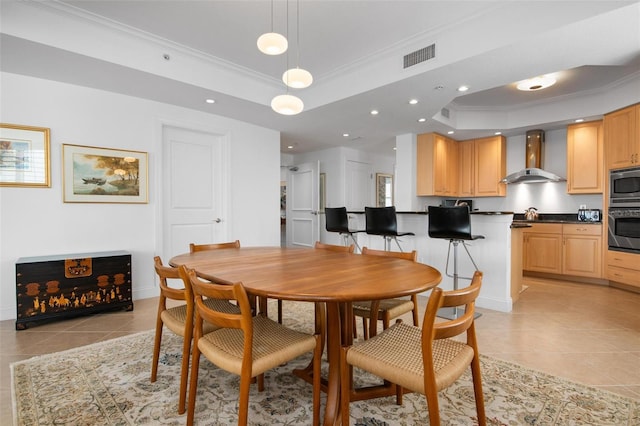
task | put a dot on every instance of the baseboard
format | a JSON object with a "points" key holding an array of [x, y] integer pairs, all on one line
{"points": [[494, 304], [572, 278]]}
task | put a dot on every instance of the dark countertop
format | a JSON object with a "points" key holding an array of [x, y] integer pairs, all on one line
{"points": [[553, 218], [481, 212]]}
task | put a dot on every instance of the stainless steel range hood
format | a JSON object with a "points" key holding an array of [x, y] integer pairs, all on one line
{"points": [[533, 172]]}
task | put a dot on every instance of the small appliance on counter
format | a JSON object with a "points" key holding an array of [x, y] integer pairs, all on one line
{"points": [[451, 203], [589, 215]]}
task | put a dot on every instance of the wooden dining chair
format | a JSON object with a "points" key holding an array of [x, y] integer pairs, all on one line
{"points": [[386, 309], [344, 249], [423, 360], [178, 319], [244, 344], [202, 247]]}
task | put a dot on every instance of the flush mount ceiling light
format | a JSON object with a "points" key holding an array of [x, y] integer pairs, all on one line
{"points": [[272, 43], [287, 104], [297, 77], [536, 83]]}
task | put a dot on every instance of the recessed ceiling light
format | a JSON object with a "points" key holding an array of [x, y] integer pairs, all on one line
{"points": [[579, 120], [346, 135], [450, 132], [413, 101], [394, 148], [497, 133], [210, 101], [463, 88], [536, 83], [290, 147], [421, 120], [374, 112]]}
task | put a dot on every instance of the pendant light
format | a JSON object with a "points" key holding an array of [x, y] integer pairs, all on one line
{"points": [[272, 43], [287, 104], [297, 77]]}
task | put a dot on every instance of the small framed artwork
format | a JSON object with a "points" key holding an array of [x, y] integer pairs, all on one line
{"points": [[104, 175], [24, 156], [384, 190]]}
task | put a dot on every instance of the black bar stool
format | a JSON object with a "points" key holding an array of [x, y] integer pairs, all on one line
{"points": [[336, 220], [453, 224], [382, 221]]}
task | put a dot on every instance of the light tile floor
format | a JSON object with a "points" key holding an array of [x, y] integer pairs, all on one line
{"points": [[585, 333]]}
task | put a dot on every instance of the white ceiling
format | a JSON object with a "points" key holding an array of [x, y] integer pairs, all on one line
{"points": [[354, 49]]}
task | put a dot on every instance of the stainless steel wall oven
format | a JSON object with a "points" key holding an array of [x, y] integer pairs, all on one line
{"points": [[624, 210]]}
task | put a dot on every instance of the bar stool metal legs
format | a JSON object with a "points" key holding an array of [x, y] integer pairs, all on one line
{"points": [[454, 313]]}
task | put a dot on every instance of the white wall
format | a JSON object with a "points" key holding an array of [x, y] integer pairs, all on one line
{"points": [[35, 221]]}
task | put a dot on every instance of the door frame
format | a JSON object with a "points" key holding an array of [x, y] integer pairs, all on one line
{"points": [[158, 177]]}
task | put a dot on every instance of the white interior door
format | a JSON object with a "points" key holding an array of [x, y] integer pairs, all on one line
{"points": [[303, 201], [194, 195], [359, 186]]}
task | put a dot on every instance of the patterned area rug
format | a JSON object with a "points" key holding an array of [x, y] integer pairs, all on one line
{"points": [[108, 384]]}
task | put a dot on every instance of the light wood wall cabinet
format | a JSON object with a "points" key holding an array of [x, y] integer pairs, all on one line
{"points": [[566, 249], [623, 268], [585, 162], [622, 133], [490, 166], [466, 166], [437, 165], [481, 165]]}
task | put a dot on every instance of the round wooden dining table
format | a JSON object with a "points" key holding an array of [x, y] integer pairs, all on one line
{"points": [[315, 275]]}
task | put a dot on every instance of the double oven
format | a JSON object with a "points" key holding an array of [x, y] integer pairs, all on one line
{"points": [[624, 210]]}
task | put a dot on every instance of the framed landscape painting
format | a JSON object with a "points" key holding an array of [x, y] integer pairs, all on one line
{"points": [[24, 156], [104, 175]]}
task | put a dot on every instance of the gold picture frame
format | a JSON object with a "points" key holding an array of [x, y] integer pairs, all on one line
{"points": [[24, 156], [104, 175]]}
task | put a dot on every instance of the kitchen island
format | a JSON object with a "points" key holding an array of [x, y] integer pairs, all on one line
{"points": [[492, 254]]}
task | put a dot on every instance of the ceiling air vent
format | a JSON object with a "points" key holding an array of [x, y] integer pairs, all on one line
{"points": [[444, 112], [420, 55]]}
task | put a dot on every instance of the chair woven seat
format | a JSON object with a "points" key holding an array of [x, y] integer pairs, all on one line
{"points": [[273, 345], [395, 308], [381, 357], [175, 318]]}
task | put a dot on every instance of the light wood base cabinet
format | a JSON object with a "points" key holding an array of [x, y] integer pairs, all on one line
{"points": [[565, 249], [542, 248], [582, 250], [623, 267]]}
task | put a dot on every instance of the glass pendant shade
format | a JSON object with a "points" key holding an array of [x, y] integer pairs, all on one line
{"points": [[272, 44], [297, 78], [287, 104]]}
